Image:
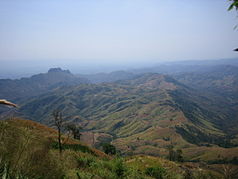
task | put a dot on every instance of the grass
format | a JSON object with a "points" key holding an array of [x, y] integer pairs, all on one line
{"points": [[77, 159]]}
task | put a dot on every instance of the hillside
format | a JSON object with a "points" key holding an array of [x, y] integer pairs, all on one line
{"points": [[23, 140], [21, 89], [109, 77], [219, 79], [221, 84], [144, 115]]}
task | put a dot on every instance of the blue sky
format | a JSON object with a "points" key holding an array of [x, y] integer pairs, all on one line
{"points": [[116, 31]]}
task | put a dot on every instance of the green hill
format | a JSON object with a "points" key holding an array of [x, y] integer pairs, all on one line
{"points": [[144, 115], [221, 85], [27, 151]]}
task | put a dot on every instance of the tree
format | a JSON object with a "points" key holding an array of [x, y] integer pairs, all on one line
{"points": [[175, 155], [119, 168], [179, 156], [172, 154], [75, 130], [58, 120], [234, 5], [109, 149]]}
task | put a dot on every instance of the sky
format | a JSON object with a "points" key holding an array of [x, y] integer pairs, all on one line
{"points": [[82, 33]]}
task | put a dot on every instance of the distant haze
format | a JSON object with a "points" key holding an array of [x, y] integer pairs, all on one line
{"points": [[104, 35]]}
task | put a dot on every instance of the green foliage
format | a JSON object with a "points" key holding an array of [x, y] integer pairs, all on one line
{"points": [[74, 129], [196, 136], [139, 107], [156, 172], [119, 168], [234, 5], [175, 155], [84, 175], [75, 147], [179, 156], [84, 162], [110, 169], [109, 148]]}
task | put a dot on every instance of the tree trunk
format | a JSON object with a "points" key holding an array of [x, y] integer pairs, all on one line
{"points": [[59, 141]]}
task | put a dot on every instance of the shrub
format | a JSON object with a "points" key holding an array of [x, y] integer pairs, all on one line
{"points": [[156, 172], [119, 168], [75, 147], [109, 149], [84, 162]]}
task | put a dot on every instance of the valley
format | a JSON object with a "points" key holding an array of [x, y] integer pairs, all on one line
{"points": [[146, 113], [122, 89]]}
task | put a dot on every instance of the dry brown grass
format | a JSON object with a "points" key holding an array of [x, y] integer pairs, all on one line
{"points": [[51, 134]]}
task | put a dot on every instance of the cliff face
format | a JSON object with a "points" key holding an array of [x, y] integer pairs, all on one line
{"points": [[58, 70]]}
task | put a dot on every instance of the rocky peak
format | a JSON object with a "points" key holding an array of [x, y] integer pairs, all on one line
{"points": [[57, 70]]}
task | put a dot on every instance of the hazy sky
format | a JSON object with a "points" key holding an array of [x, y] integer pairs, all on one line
{"points": [[116, 31]]}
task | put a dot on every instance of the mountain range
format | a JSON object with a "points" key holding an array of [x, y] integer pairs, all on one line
{"points": [[141, 112]]}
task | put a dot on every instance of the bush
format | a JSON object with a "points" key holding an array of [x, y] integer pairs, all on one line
{"points": [[84, 162], [109, 149], [119, 168], [156, 172], [75, 147]]}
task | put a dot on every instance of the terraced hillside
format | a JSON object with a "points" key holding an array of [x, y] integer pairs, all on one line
{"points": [[221, 84], [144, 115]]}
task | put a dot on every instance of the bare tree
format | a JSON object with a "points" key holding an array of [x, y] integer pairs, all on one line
{"points": [[58, 120]]}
